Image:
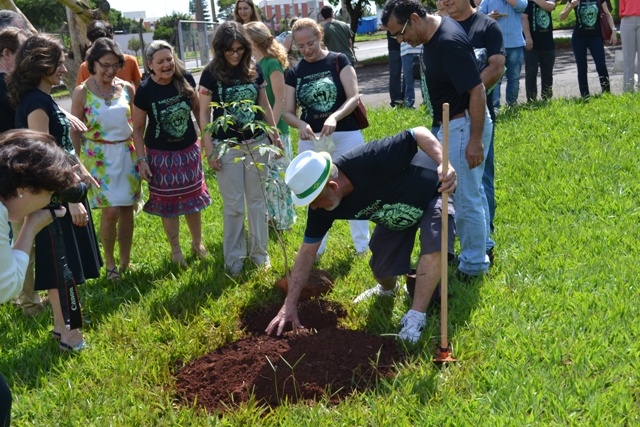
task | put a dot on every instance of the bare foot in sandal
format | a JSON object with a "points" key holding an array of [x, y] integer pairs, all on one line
{"points": [[113, 275]]}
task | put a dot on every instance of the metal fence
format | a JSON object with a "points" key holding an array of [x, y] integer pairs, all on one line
{"points": [[194, 42]]}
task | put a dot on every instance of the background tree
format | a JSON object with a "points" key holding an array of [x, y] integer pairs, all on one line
{"points": [[134, 44], [205, 9], [78, 14], [225, 9], [167, 27], [45, 15], [121, 24]]}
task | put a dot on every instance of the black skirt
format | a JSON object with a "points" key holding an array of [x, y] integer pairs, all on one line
{"points": [[82, 252]]}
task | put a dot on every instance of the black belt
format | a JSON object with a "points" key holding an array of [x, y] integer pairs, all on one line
{"points": [[456, 116]]}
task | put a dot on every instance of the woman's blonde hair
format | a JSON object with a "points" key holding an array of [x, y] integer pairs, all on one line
{"points": [[263, 40], [308, 24]]}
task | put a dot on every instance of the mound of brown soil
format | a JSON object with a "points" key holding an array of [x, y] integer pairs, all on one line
{"points": [[319, 283], [304, 367]]}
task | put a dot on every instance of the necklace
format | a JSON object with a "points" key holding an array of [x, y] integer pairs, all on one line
{"points": [[107, 99]]}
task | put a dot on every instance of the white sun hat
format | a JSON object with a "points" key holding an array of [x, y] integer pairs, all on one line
{"points": [[307, 175]]}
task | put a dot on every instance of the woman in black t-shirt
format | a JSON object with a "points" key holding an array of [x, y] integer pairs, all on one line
{"points": [[172, 164], [234, 81], [587, 35], [39, 67], [324, 84]]}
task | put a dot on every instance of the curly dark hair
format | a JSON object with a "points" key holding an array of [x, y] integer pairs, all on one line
{"points": [[228, 33], [31, 159], [402, 10], [36, 59], [100, 48]]}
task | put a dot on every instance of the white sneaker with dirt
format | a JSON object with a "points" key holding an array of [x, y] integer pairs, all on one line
{"points": [[412, 325], [376, 291]]}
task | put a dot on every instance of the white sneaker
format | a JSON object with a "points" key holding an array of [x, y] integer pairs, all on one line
{"points": [[377, 291], [412, 324]]}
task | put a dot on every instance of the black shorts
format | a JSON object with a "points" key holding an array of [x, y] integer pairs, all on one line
{"points": [[391, 250]]}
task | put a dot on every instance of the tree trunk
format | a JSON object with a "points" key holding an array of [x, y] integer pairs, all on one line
{"points": [[79, 44], [79, 15], [213, 11]]}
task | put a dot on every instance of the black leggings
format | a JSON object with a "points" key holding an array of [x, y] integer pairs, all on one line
{"points": [[5, 403]]}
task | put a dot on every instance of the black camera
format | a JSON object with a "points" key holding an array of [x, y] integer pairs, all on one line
{"points": [[74, 194]]}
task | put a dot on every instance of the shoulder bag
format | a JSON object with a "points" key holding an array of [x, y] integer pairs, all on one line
{"points": [[360, 113], [605, 29]]}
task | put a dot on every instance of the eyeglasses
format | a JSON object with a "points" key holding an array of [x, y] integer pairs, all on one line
{"points": [[308, 45], [239, 51], [401, 33], [106, 67]]}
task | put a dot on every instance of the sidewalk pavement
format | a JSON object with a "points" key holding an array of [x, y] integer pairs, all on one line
{"points": [[373, 80]]}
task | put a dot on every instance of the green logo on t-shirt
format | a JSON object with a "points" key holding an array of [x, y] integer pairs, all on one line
{"points": [[238, 93], [588, 14], [398, 216], [175, 119], [541, 19], [319, 95]]}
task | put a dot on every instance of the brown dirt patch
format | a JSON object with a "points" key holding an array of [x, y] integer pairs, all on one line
{"points": [[305, 367], [319, 283]]}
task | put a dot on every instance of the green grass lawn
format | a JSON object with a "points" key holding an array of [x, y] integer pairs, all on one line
{"points": [[550, 338]]}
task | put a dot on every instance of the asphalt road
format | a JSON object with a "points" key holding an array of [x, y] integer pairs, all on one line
{"points": [[373, 79]]}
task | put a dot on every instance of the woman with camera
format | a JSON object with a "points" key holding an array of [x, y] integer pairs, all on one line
{"points": [[104, 103], [32, 168], [39, 66], [10, 40]]}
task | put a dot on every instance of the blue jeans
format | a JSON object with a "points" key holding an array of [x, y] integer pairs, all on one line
{"points": [[488, 176], [595, 44], [514, 67], [545, 59], [472, 210], [409, 83], [395, 78]]}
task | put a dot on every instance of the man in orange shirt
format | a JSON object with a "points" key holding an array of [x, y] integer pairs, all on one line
{"points": [[130, 72]]}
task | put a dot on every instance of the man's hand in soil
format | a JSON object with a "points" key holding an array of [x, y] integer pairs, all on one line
{"points": [[296, 281], [284, 315]]}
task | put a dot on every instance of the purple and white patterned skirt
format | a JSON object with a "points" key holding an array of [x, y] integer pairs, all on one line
{"points": [[177, 186]]}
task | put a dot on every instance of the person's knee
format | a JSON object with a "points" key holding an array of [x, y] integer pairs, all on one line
{"points": [[110, 214], [387, 282]]}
